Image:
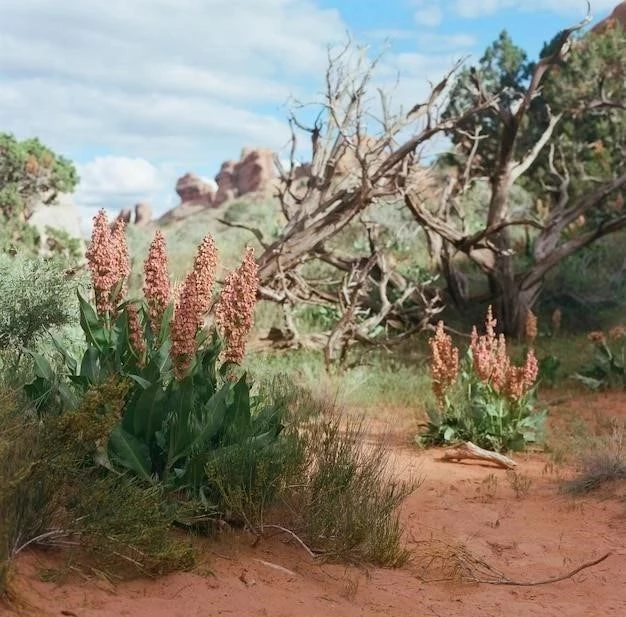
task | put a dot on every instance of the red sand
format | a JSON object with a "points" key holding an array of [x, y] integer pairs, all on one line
{"points": [[538, 535]]}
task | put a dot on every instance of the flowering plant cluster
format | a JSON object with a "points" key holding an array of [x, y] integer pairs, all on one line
{"points": [[485, 398], [178, 349], [608, 368]]}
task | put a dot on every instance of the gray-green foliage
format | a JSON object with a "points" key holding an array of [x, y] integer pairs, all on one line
{"points": [[29, 173], [35, 296]]}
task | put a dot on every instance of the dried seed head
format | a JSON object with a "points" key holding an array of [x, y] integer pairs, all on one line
{"points": [[107, 259], [444, 365], [205, 266], [156, 288], [617, 332], [597, 336], [185, 326], [234, 312]]}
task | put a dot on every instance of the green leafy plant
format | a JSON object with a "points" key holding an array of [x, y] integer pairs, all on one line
{"points": [[608, 368], [185, 400], [484, 399], [549, 366]]}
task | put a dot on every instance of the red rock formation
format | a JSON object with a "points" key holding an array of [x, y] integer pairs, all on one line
{"points": [[252, 173], [193, 190], [143, 213], [618, 16], [226, 182]]}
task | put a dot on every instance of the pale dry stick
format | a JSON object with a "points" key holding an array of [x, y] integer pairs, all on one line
{"points": [[468, 450], [295, 537], [275, 566]]}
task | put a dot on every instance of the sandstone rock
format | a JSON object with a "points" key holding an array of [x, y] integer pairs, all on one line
{"points": [[255, 170], [143, 213], [226, 182], [63, 215], [194, 190], [618, 16], [125, 215]]}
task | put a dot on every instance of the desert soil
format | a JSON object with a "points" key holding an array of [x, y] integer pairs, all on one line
{"points": [[466, 521]]}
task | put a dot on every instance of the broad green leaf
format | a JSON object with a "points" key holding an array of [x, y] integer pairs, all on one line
{"points": [[144, 413], [42, 367], [91, 325], [144, 383], [90, 367], [127, 451], [70, 361], [210, 421]]}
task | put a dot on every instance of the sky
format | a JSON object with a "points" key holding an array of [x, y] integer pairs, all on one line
{"points": [[139, 92]]}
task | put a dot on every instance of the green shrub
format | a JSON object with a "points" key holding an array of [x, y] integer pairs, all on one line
{"points": [[608, 368], [35, 296], [26, 491], [51, 493], [346, 504]]}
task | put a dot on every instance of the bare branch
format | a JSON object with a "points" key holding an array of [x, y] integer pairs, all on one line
{"points": [[519, 169], [258, 234]]}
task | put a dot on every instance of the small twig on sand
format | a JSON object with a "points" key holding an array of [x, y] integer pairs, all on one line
{"points": [[546, 581], [275, 566], [294, 536], [468, 450]]}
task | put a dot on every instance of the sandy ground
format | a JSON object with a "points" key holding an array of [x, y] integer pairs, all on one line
{"points": [[462, 516]]}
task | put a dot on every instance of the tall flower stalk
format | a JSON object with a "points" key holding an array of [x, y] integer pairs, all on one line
{"points": [[156, 288], [234, 312], [108, 263]]}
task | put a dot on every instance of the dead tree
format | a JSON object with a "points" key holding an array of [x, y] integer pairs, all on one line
{"points": [[513, 292], [382, 147]]}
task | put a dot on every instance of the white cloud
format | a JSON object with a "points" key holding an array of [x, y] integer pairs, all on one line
{"points": [[428, 16], [183, 81], [116, 182]]}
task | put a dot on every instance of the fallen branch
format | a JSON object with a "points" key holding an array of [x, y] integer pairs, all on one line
{"points": [[546, 581], [461, 565], [468, 450], [294, 536]]}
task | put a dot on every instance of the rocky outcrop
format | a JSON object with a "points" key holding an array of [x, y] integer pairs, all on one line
{"points": [[62, 215], [618, 16], [143, 213], [253, 172], [193, 190]]}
